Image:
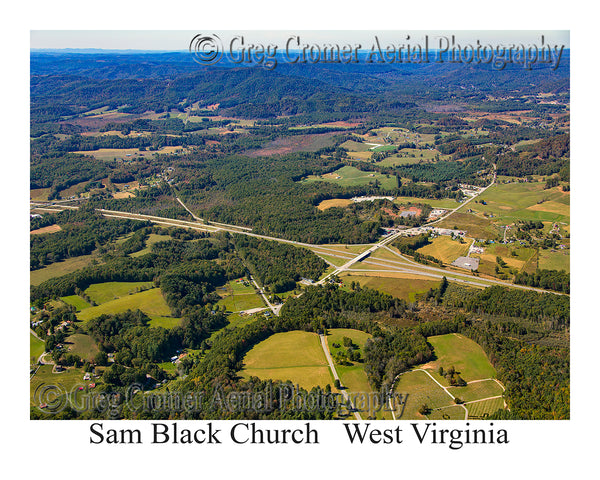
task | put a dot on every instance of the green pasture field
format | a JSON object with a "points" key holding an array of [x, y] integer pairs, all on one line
{"points": [[150, 302], [471, 363], [510, 202], [164, 322], [421, 389], [107, 154], [36, 347], [353, 377], [401, 135], [335, 335], [352, 177], [384, 148], [525, 259], [82, 345], [557, 260], [475, 226], [237, 297], [72, 190], [296, 356], [239, 303], [479, 409], [467, 357], [76, 301], [445, 249], [447, 203], [337, 261], [168, 367], [65, 381], [235, 320], [406, 287], [410, 156], [477, 390], [453, 412], [353, 146], [151, 240], [104, 292], [39, 194], [59, 269]]}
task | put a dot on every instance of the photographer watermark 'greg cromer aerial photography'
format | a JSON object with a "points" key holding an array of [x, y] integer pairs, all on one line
{"points": [[301, 225]]}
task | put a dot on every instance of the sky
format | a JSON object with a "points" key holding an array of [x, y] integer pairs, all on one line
{"points": [[171, 40]]}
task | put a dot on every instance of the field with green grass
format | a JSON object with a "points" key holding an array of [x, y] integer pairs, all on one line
{"points": [[150, 302], [36, 347], [510, 202], [107, 154], [352, 377], [447, 203], [404, 286], [104, 292], [296, 356], [419, 390], [76, 301], [384, 148], [445, 249], [235, 320], [412, 155], [66, 381], [353, 146], [60, 268], [555, 260], [82, 345], [239, 296], [482, 394], [168, 367], [164, 322], [474, 225], [515, 257], [351, 176], [467, 357], [151, 240]]}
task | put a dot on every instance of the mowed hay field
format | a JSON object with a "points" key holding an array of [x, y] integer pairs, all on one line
{"points": [[481, 396], [417, 388], [59, 269], [104, 292], [555, 260], [510, 202], [353, 377], [524, 259], [82, 345], [75, 301], [445, 249], [237, 297], [151, 302], [352, 177], [36, 347], [334, 202], [399, 285], [447, 203], [467, 357], [127, 153], [296, 356], [474, 225], [151, 240]]}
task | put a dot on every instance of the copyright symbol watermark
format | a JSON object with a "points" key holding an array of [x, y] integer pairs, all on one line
{"points": [[206, 49], [50, 398]]}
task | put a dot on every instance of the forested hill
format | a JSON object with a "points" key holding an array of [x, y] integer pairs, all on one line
{"points": [[162, 81]]}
